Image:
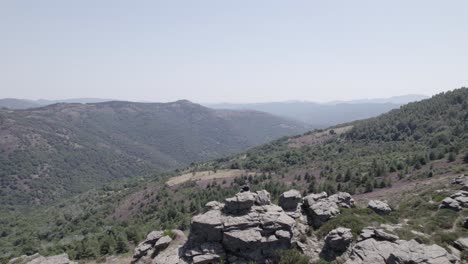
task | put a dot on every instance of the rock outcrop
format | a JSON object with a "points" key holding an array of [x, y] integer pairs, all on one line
{"points": [[337, 242], [38, 259], [289, 200], [155, 243], [248, 228], [379, 207], [461, 180], [377, 246], [456, 201], [321, 208]]}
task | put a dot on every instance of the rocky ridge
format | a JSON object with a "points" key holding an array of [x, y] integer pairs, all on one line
{"points": [[249, 228]]}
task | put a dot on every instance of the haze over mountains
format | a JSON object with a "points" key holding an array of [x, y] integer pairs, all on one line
{"points": [[321, 115], [317, 115]]}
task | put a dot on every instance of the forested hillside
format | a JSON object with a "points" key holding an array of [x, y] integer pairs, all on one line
{"points": [[63, 149], [423, 142]]}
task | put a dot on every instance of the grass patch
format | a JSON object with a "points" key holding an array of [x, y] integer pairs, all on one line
{"points": [[355, 219]]}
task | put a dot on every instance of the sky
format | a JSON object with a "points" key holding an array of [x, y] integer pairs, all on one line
{"points": [[231, 51]]}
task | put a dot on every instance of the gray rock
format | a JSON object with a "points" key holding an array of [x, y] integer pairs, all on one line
{"points": [[262, 198], [461, 243], [206, 259], [450, 203], [342, 199], [460, 180], [241, 202], [338, 240], [242, 240], [207, 227], [379, 207], [372, 251], [162, 243], [152, 237], [314, 197], [382, 235], [461, 197], [322, 211], [38, 259], [214, 205], [142, 250], [290, 199]]}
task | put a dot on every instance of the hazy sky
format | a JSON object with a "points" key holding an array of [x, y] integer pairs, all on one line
{"points": [[231, 51]]}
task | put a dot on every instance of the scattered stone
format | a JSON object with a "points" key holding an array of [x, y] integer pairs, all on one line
{"points": [[461, 179], [290, 199], [450, 203], [38, 259], [379, 207], [262, 198]]}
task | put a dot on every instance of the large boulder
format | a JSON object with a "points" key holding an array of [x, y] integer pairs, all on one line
{"points": [[449, 203], [262, 198], [249, 228], [240, 203], [289, 200], [322, 211], [379, 207], [461, 243], [339, 239], [207, 227], [314, 197], [162, 243], [381, 247]]}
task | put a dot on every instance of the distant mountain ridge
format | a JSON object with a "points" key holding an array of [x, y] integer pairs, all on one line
{"points": [[317, 115], [63, 149], [321, 115]]}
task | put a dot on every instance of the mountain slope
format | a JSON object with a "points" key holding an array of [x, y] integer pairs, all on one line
{"points": [[408, 156], [63, 149]]}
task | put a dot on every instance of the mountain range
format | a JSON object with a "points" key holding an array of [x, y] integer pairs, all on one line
{"points": [[321, 115]]}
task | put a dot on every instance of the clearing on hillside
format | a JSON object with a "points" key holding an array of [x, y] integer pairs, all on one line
{"points": [[207, 175], [314, 138]]}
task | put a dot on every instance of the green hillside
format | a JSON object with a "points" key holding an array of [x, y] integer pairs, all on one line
{"points": [[63, 149]]}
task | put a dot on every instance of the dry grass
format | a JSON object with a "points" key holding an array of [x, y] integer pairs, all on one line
{"points": [[206, 175], [317, 137]]}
